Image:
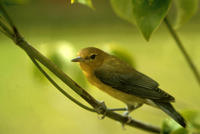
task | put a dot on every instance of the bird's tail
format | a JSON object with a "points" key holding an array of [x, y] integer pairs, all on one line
{"points": [[169, 109]]}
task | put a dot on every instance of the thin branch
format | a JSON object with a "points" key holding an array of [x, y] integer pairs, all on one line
{"points": [[59, 88], [4, 29], [183, 50], [7, 17], [34, 54], [1, 30]]}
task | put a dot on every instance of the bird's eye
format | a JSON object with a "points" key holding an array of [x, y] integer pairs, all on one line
{"points": [[93, 56]]}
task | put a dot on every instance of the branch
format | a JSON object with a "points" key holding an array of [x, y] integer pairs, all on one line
{"points": [[183, 50], [4, 29], [36, 55], [5, 14]]}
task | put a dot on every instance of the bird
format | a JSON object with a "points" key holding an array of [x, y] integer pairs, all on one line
{"points": [[121, 81]]}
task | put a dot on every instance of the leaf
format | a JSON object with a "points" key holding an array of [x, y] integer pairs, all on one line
{"points": [[180, 131], [185, 10], [84, 2], [147, 15], [124, 9]]}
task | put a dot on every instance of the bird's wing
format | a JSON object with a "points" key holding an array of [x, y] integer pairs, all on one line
{"points": [[132, 82]]}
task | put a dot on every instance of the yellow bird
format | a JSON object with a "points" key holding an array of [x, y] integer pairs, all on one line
{"points": [[121, 81]]}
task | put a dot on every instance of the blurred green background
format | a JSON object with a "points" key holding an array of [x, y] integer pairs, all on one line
{"points": [[29, 104]]}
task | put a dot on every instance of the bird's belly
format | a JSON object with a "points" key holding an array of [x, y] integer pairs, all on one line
{"points": [[124, 97]]}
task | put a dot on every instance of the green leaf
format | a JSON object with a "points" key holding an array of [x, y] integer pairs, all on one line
{"points": [[149, 14], [180, 131], [185, 10], [146, 14], [84, 2], [124, 9]]}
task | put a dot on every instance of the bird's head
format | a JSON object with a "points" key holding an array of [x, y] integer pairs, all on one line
{"points": [[90, 58]]}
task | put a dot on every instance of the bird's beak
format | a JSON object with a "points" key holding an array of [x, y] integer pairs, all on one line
{"points": [[77, 59]]}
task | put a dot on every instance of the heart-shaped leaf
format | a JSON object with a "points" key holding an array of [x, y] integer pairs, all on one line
{"points": [[149, 14], [145, 14], [124, 9]]}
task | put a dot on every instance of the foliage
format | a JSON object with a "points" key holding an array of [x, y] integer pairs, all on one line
{"points": [[147, 15]]}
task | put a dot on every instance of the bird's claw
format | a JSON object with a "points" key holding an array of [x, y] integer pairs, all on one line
{"points": [[101, 109], [126, 114], [102, 116], [128, 121]]}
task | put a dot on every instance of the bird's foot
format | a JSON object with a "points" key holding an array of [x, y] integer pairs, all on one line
{"points": [[126, 114], [101, 109]]}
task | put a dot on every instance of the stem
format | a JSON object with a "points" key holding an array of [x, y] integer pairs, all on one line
{"points": [[4, 29], [183, 50], [7, 17]]}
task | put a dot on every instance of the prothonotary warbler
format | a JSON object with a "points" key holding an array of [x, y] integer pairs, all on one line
{"points": [[121, 81]]}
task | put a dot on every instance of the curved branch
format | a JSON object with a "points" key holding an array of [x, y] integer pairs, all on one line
{"points": [[34, 54], [183, 50]]}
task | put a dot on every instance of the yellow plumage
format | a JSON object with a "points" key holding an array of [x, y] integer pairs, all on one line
{"points": [[121, 81]]}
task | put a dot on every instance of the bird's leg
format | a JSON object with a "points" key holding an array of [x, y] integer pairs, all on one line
{"points": [[130, 108]]}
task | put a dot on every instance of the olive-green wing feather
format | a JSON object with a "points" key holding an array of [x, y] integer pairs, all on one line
{"points": [[132, 82]]}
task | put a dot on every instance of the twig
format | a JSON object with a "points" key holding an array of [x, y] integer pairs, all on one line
{"points": [[183, 50], [5, 30], [34, 54], [1, 30], [7, 17]]}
